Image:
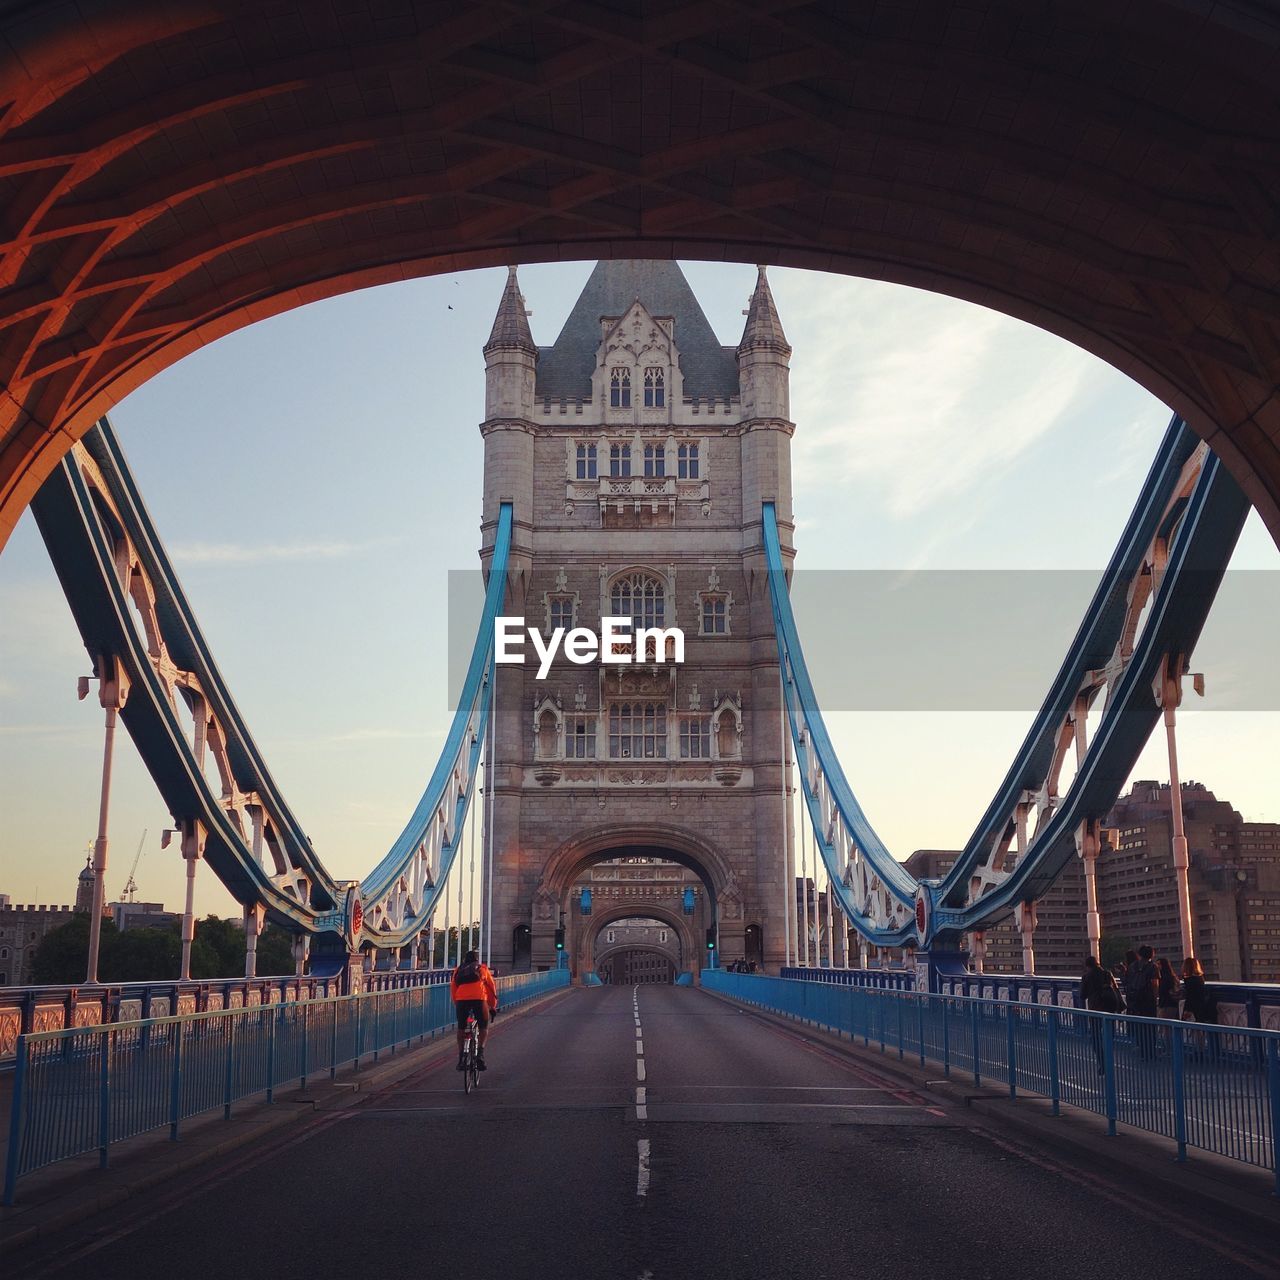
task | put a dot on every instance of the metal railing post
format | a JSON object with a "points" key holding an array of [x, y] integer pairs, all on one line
{"points": [[271, 1056], [229, 1081], [1109, 1073], [920, 1003], [946, 1037], [1055, 1086], [1273, 1079], [901, 1050], [17, 1116], [377, 1025], [1012, 1051], [306, 1022], [358, 1001], [333, 1045], [104, 1097], [977, 1054], [1179, 1092], [175, 1087]]}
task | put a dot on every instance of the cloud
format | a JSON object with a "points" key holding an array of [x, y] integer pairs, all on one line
{"points": [[240, 553], [918, 399]]}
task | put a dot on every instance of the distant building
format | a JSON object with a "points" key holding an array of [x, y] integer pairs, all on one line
{"points": [[1234, 880], [22, 926], [144, 915]]}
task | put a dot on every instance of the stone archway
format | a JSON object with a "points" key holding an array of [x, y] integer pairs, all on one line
{"points": [[173, 172], [585, 956], [723, 896], [610, 957]]}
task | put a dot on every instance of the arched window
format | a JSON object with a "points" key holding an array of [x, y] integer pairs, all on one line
{"points": [[640, 597], [637, 730], [620, 460], [655, 460], [687, 462], [585, 462], [620, 388], [655, 388]]}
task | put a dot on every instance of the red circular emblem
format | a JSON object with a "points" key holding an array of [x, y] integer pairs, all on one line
{"points": [[921, 919], [355, 917]]}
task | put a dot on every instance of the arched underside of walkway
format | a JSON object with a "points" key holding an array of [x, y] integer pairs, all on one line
{"points": [[171, 170]]}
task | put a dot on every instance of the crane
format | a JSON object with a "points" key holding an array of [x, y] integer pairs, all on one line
{"points": [[130, 891]]}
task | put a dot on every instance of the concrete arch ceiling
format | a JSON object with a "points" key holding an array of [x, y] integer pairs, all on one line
{"points": [[171, 170]]}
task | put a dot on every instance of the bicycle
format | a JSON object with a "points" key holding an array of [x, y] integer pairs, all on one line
{"points": [[470, 1054]]}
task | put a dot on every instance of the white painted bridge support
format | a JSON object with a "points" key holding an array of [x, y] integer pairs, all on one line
{"points": [[113, 689], [1169, 695], [193, 842]]}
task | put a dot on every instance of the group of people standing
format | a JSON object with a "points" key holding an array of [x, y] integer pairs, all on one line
{"points": [[1146, 986]]}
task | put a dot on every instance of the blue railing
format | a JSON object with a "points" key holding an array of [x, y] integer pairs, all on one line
{"points": [[80, 1090], [1210, 1087], [1240, 1004]]}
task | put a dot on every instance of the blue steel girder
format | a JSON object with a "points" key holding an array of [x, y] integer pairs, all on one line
{"points": [[131, 610], [1169, 560]]}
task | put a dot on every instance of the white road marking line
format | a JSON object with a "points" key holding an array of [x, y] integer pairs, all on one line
{"points": [[639, 1069], [639, 1047], [637, 1033], [642, 1167], [640, 1092], [642, 1113]]}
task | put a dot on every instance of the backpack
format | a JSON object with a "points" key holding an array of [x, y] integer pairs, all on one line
{"points": [[1137, 985], [1110, 999], [469, 972]]}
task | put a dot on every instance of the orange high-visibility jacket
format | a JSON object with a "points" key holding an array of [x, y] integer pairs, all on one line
{"points": [[486, 989]]}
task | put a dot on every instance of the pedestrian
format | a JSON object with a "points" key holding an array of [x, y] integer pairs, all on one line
{"points": [[1141, 996], [1200, 1004], [1099, 993], [1169, 990]]}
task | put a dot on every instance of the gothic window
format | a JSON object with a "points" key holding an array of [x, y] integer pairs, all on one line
{"points": [[580, 737], [687, 462], [560, 611], [715, 614], [620, 461], [695, 737], [655, 460], [637, 730], [620, 389], [640, 597], [655, 388], [586, 462]]}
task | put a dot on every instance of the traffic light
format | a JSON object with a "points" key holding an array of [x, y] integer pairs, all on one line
{"points": [[559, 939], [711, 938]]}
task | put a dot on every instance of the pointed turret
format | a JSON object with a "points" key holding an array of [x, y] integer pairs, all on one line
{"points": [[763, 358], [511, 324], [510, 357], [763, 328]]}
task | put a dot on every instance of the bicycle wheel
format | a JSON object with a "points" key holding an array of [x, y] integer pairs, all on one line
{"points": [[468, 1076]]}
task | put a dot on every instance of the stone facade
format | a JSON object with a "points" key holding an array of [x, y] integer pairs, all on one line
{"points": [[636, 452]]}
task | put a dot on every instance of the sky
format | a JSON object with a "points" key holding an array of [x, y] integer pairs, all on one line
{"points": [[317, 476]]}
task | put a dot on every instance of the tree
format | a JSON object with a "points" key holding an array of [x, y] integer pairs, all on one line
{"points": [[275, 952], [1113, 947], [63, 953], [143, 955]]}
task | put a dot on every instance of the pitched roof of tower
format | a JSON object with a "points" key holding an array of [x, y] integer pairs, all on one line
{"points": [[511, 324], [565, 367], [763, 328]]}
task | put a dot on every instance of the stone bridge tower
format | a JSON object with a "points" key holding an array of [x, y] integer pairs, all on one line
{"points": [[637, 451]]}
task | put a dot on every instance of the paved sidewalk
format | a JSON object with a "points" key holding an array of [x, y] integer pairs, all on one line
{"points": [[53, 1198], [1205, 1183]]}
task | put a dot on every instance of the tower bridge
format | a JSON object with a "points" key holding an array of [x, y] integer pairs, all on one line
{"points": [[173, 172]]}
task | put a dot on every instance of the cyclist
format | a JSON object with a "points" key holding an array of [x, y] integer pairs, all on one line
{"points": [[474, 992]]}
